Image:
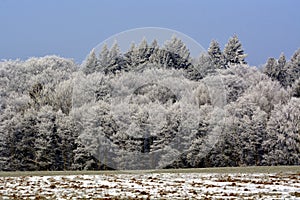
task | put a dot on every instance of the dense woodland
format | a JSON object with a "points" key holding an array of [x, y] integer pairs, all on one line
{"points": [[153, 106]]}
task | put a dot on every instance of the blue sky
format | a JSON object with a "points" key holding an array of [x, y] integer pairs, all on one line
{"points": [[71, 28]]}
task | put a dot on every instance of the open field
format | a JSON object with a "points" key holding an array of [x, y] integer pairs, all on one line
{"points": [[213, 183]]}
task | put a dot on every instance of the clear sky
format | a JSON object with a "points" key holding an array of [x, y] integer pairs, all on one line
{"points": [[71, 28]]}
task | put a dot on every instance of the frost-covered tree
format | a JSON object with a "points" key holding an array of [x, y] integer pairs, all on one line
{"points": [[233, 52], [139, 56], [200, 67], [91, 64], [240, 140], [11, 117], [132, 57], [270, 68], [67, 131], [98, 128], [292, 69], [104, 60], [282, 144], [83, 160], [253, 85], [286, 72], [20, 140], [175, 54], [296, 89], [235, 86], [48, 141], [199, 147], [281, 61], [116, 61], [215, 53], [177, 46], [246, 125], [266, 94], [143, 50], [296, 56], [63, 97], [154, 49], [90, 89], [39, 140], [275, 69], [21, 75]]}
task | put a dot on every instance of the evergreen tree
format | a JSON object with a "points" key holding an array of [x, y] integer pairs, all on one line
{"points": [[157, 55], [66, 129], [270, 68], [275, 69], [132, 57], [49, 144], [177, 46], [200, 68], [154, 51], [292, 69], [296, 57], [175, 54], [143, 50], [116, 60], [98, 129], [281, 71], [233, 52], [282, 141], [91, 64], [83, 160], [104, 60], [216, 54], [296, 89], [240, 143], [247, 124], [234, 86], [196, 152], [21, 140], [142, 55], [281, 61]]}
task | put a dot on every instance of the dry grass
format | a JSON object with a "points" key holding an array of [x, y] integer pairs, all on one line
{"points": [[252, 169]]}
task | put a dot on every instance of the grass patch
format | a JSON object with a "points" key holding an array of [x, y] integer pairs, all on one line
{"points": [[246, 170], [251, 169]]}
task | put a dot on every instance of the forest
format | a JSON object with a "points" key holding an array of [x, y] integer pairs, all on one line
{"points": [[153, 106]]}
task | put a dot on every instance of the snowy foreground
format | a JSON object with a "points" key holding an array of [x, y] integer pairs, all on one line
{"points": [[153, 186]]}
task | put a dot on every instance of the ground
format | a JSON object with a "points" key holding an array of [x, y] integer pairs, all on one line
{"points": [[218, 183]]}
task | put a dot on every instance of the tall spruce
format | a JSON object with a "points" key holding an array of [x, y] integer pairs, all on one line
{"points": [[116, 60], [104, 60], [91, 63], [292, 69], [233, 52], [176, 54], [216, 55]]}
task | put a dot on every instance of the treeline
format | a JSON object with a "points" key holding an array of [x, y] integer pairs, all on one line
{"points": [[152, 106]]}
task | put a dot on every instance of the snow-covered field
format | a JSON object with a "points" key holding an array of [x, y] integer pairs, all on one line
{"points": [[154, 186]]}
